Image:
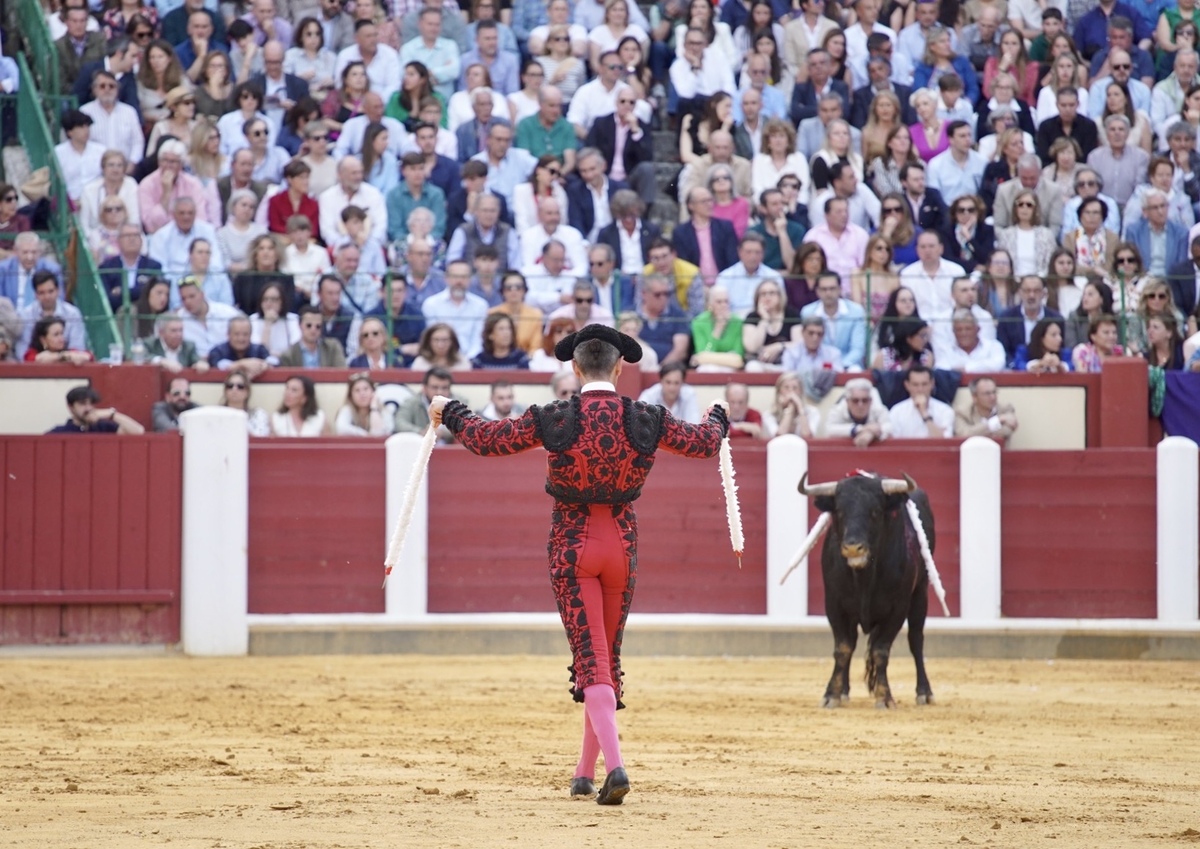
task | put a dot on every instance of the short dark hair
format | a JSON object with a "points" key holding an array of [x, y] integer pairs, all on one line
{"points": [[363, 22], [596, 358], [1103, 206], [412, 160], [82, 393], [488, 24], [1052, 12], [487, 252], [40, 277], [918, 368], [473, 168], [909, 167], [73, 119], [831, 200], [954, 126], [673, 366], [950, 82], [296, 168], [660, 242], [439, 373], [308, 309]]}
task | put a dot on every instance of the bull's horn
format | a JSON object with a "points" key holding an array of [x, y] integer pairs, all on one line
{"points": [[816, 489], [892, 486]]}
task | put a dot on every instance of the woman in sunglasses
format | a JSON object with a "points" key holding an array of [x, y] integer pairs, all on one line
{"points": [[1094, 299], [119, 15], [13, 222], [1176, 30], [247, 107], [373, 346], [897, 226], [545, 181], [180, 119], [236, 394], [1155, 301], [103, 240], [1029, 243], [970, 238]]}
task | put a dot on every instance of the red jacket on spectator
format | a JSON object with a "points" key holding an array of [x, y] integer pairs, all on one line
{"points": [[280, 209]]}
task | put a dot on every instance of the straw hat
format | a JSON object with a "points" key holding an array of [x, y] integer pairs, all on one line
{"points": [[176, 95]]}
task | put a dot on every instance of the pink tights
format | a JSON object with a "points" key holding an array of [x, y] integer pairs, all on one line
{"points": [[599, 731]]}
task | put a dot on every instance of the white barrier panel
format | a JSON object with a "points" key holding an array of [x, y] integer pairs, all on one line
{"points": [[407, 592], [214, 582], [787, 526], [979, 529], [1178, 540]]}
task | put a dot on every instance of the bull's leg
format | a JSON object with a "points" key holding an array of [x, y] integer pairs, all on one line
{"points": [[916, 641], [879, 648], [845, 638]]}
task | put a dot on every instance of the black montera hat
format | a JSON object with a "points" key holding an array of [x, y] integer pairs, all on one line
{"points": [[630, 350]]}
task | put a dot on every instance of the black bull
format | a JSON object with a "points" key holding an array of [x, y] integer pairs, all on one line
{"points": [[875, 578]]}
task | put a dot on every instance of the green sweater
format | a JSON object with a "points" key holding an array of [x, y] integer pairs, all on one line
{"points": [[729, 342]]}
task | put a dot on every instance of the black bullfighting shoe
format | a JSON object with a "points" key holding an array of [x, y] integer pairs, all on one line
{"points": [[582, 787], [614, 789]]}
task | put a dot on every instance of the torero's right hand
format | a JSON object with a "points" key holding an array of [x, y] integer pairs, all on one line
{"points": [[436, 406]]}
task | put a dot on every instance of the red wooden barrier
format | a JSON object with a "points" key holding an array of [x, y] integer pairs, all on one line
{"points": [[317, 536], [489, 519], [1079, 533], [91, 540], [935, 469]]}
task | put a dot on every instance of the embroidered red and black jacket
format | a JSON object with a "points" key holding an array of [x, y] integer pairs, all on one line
{"points": [[601, 444]]}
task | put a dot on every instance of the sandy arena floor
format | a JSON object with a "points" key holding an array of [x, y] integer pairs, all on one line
{"points": [[478, 752]]}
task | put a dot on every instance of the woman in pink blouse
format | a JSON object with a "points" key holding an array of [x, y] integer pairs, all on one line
{"points": [[929, 133], [727, 205]]}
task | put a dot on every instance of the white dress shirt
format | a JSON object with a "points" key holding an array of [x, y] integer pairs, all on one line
{"points": [[943, 331], [94, 194], [714, 75], [384, 71], [592, 100], [231, 126], [546, 290], [534, 240], [686, 408], [932, 291], [465, 317], [117, 130], [907, 423], [350, 141], [987, 356], [334, 199], [214, 330], [79, 168], [742, 284], [632, 261]]}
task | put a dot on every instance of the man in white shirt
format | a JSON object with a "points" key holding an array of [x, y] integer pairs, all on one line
{"points": [[844, 184], [549, 227], [957, 171], [930, 278], [550, 284], [205, 325], [743, 277], [856, 35], [700, 72], [79, 158], [965, 296], [115, 125], [171, 244], [599, 97], [969, 351], [455, 306], [384, 69], [351, 190], [437, 53], [302, 259], [920, 415], [350, 141]]}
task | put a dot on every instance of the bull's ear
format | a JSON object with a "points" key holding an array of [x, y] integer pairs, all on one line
{"points": [[895, 501], [824, 503]]}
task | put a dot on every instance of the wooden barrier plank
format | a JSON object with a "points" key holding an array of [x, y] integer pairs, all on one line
{"points": [[133, 524]]}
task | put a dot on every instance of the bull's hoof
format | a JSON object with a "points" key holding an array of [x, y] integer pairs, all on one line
{"points": [[832, 701], [885, 704], [925, 698], [845, 698]]}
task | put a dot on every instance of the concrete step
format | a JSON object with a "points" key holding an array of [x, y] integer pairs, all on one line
{"points": [[666, 146]]}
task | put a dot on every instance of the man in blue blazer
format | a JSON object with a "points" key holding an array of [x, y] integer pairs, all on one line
{"points": [[845, 321], [1014, 324], [1182, 278], [627, 213], [129, 264], [16, 272], [294, 88], [1154, 226], [589, 180], [723, 239], [805, 95]]}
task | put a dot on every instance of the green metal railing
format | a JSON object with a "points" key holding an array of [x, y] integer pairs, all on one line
{"points": [[33, 129], [30, 25]]}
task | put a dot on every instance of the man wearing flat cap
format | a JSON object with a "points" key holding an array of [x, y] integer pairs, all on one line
{"points": [[601, 446]]}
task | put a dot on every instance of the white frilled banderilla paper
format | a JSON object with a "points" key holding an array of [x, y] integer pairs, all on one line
{"points": [[410, 502], [733, 512]]}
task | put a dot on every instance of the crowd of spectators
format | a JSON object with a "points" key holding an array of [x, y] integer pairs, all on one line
{"points": [[973, 187]]}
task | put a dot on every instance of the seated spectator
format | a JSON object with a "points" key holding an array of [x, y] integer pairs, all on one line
{"points": [[745, 421], [78, 46], [413, 414], [909, 348], [311, 59], [499, 349], [412, 192], [104, 240], [811, 353], [720, 152], [163, 190], [380, 164], [920, 415], [583, 310], [630, 323], [548, 132], [439, 349], [49, 303], [269, 158], [527, 319], [845, 321], [273, 326], [543, 358], [294, 201], [458, 308], [896, 225], [361, 414], [672, 392], [792, 412], [727, 205], [550, 227], [236, 394], [665, 326], [351, 190], [240, 178], [964, 293], [304, 260], [970, 351], [614, 289], [79, 158], [1026, 240], [167, 347], [1156, 299], [263, 268], [769, 329], [291, 135], [873, 284], [970, 238], [902, 304], [205, 323], [704, 241], [16, 272], [180, 118], [717, 335], [164, 415], [501, 403], [590, 195], [312, 350], [215, 85], [13, 222], [995, 281], [1044, 353], [859, 415], [1014, 324], [240, 230], [779, 157], [374, 350], [238, 351], [683, 276], [48, 344], [627, 148], [153, 301], [298, 414], [985, 416], [931, 278], [1162, 241], [1101, 345], [1121, 165], [86, 417], [116, 125], [550, 284], [742, 279], [200, 268], [929, 135], [843, 243], [485, 227], [1164, 344]]}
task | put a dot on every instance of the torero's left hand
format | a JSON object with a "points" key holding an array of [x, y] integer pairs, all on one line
{"points": [[436, 406]]}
